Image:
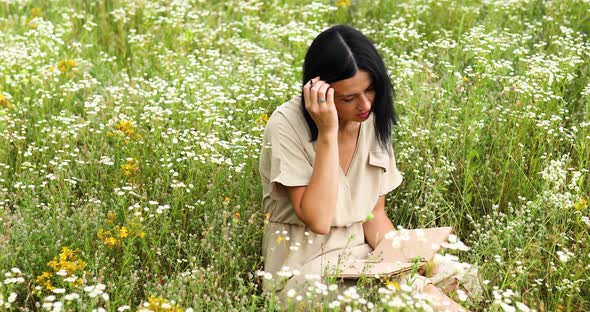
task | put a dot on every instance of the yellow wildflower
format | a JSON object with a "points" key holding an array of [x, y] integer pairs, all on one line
{"points": [[111, 217], [54, 265], [392, 285], [109, 239], [157, 304], [65, 66], [126, 127], [4, 102], [66, 253], [343, 3], [226, 200], [67, 261], [123, 232], [111, 242], [125, 131], [102, 234], [264, 118], [69, 267], [49, 286], [581, 205], [43, 277], [135, 228], [36, 12], [130, 167]]}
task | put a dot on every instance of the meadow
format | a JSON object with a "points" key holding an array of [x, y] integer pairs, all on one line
{"points": [[130, 133]]}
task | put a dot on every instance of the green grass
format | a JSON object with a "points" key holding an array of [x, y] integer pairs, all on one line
{"points": [[489, 94]]}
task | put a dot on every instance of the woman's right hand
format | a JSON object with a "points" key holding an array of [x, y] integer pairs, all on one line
{"points": [[324, 114]]}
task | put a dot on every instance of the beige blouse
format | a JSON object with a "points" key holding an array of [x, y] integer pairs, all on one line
{"points": [[287, 158]]}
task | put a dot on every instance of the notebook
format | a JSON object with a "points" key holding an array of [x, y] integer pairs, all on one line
{"points": [[400, 251]]}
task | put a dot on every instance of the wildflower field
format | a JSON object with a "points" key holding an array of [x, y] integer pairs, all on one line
{"points": [[130, 133]]}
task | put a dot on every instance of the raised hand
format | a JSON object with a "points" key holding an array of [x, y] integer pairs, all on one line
{"points": [[319, 102]]}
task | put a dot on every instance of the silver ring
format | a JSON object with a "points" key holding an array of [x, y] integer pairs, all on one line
{"points": [[321, 101]]}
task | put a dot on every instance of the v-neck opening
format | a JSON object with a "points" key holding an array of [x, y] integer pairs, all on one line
{"points": [[356, 148]]}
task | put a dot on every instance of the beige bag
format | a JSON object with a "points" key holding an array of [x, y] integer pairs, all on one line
{"points": [[400, 251]]}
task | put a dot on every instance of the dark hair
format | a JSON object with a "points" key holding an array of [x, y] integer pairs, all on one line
{"points": [[339, 53]]}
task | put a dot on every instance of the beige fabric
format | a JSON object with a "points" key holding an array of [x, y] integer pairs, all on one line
{"points": [[286, 159]]}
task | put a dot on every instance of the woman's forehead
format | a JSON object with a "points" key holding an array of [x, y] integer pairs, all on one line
{"points": [[353, 85]]}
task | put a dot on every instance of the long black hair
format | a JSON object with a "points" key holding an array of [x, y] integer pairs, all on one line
{"points": [[339, 53]]}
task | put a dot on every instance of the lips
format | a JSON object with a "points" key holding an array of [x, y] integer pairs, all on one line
{"points": [[364, 115]]}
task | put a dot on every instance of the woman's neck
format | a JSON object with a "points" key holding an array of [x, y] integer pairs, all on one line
{"points": [[347, 128]]}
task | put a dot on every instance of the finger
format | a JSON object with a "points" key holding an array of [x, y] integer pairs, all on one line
{"points": [[322, 93], [309, 92], [314, 94], [316, 79], [330, 97], [311, 82], [306, 92]]}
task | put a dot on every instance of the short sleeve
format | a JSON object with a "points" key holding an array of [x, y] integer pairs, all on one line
{"points": [[391, 178], [287, 159]]}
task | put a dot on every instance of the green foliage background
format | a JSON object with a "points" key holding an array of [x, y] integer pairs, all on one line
{"points": [[148, 116]]}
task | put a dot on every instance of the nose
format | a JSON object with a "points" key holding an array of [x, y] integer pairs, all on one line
{"points": [[365, 103]]}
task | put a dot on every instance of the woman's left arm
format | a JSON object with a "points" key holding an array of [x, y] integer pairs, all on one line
{"points": [[381, 224]]}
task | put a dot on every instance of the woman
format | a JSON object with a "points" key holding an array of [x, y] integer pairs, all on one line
{"points": [[327, 164]]}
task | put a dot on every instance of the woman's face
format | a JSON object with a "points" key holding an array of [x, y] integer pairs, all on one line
{"points": [[354, 97]]}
